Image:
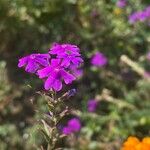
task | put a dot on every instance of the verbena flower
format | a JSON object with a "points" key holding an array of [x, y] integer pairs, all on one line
{"points": [[68, 53], [73, 126], [133, 18], [99, 60], [92, 105], [137, 16], [60, 65], [121, 3], [67, 130], [140, 16], [54, 75], [34, 62]]}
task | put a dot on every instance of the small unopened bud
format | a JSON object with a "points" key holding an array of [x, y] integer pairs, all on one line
{"points": [[67, 95], [72, 92]]}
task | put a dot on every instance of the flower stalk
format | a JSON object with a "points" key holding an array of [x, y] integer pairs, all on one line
{"points": [[59, 66], [50, 125]]}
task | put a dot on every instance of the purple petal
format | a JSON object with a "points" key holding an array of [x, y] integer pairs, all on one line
{"points": [[57, 85], [45, 56], [70, 47], [68, 78], [42, 62], [44, 72], [77, 72], [55, 62], [56, 48], [31, 67], [49, 83], [23, 61], [65, 63], [77, 60]]}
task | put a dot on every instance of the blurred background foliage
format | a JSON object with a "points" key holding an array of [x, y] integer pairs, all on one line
{"points": [[95, 25]]}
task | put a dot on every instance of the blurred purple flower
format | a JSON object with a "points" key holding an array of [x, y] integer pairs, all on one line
{"points": [[67, 130], [133, 18], [55, 74], [92, 105], [99, 60], [34, 62], [147, 74], [137, 16], [148, 56], [68, 52], [121, 3], [147, 11], [140, 16], [73, 125]]}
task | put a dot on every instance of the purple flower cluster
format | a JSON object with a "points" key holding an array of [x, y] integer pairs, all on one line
{"points": [[60, 64], [92, 105], [140, 16], [121, 3], [73, 126], [99, 60]]}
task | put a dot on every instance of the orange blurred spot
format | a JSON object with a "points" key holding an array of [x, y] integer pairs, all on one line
{"points": [[133, 143]]}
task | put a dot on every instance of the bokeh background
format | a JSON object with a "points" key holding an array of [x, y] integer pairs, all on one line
{"points": [[28, 26]]}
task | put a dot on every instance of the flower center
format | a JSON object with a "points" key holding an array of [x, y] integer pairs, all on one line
{"points": [[68, 52]]}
